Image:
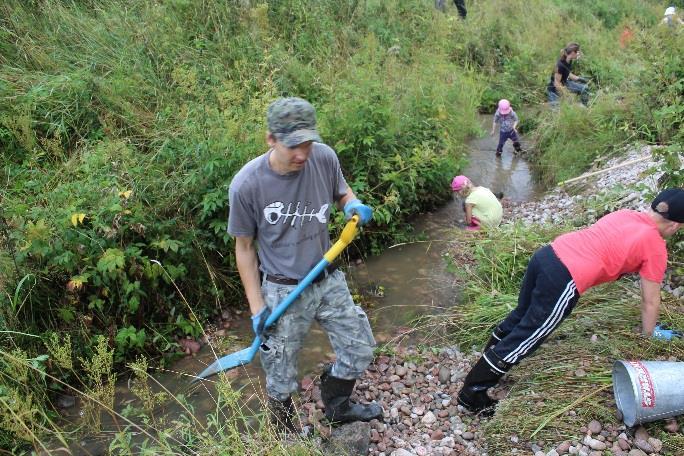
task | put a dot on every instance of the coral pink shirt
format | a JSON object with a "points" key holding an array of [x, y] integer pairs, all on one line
{"points": [[620, 243]]}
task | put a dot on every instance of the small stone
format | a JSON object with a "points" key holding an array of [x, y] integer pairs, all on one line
{"points": [[563, 447], [418, 410], [594, 444], [594, 427], [636, 452], [641, 434], [467, 435], [656, 444], [429, 418], [644, 446], [580, 373], [671, 425], [401, 452], [190, 346], [437, 434], [624, 444], [444, 374]]}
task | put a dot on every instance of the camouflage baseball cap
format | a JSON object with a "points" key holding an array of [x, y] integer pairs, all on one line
{"points": [[292, 121]]}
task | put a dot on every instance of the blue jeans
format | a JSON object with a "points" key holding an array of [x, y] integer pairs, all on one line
{"points": [[574, 87], [505, 136]]}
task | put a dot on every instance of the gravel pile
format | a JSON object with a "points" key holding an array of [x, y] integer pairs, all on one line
{"points": [[418, 394], [568, 203], [418, 390]]}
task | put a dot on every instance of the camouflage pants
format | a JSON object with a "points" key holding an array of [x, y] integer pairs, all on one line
{"points": [[329, 303]]}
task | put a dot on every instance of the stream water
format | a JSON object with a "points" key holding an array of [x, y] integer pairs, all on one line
{"points": [[404, 282]]}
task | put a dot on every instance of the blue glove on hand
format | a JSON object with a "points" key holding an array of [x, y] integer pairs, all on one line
{"points": [[355, 206], [259, 320], [661, 333]]}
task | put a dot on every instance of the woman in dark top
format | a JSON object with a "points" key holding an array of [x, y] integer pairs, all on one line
{"points": [[563, 79]]}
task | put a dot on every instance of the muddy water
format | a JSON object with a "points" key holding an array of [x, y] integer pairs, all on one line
{"points": [[404, 283]]}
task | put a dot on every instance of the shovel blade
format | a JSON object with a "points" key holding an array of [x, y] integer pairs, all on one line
{"points": [[229, 362]]}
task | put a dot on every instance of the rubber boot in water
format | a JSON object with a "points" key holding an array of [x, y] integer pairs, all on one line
{"points": [[517, 148], [282, 415], [484, 375], [335, 393]]}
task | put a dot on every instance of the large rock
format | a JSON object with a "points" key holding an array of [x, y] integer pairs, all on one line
{"points": [[352, 439]]}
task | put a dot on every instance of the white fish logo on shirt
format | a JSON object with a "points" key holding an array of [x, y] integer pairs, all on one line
{"points": [[276, 211]]}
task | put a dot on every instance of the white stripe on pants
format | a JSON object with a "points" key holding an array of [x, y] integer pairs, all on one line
{"points": [[549, 324]]}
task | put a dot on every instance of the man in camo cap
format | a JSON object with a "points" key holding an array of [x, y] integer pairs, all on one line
{"points": [[281, 202]]}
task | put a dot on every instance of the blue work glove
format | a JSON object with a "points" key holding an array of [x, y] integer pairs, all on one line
{"points": [[355, 206], [259, 320], [661, 333]]}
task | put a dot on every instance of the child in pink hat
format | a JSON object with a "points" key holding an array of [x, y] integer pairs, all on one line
{"points": [[508, 119], [482, 208]]}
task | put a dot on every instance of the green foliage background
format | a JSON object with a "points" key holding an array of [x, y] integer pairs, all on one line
{"points": [[122, 123]]}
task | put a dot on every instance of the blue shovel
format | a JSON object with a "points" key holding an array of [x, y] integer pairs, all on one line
{"points": [[246, 355]]}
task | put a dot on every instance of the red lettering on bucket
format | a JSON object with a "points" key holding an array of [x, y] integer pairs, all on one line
{"points": [[648, 396]]}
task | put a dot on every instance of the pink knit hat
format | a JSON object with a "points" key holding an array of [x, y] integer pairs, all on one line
{"points": [[504, 106], [458, 183]]}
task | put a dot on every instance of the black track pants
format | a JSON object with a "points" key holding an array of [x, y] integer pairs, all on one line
{"points": [[547, 296]]}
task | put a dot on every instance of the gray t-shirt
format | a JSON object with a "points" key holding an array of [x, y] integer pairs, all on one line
{"points": [[506, 120], [287, 214]]}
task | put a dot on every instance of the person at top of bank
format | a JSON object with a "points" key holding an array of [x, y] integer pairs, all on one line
{"points": [[563, 80], [671, 18], [482, 208], [280, 206], [623, 242]]}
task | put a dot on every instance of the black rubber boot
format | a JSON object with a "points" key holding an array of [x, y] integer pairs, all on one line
{"points": [[282, 415], [335, 393], [473, 396], [496, 336]]}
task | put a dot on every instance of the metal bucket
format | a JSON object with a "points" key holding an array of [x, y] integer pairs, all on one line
{"points": [[648, 390]]}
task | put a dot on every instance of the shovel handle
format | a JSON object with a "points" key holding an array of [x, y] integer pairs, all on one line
{"points": [[347, 236]]}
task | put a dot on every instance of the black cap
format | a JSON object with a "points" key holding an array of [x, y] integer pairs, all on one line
{"points": [[670, 204]]}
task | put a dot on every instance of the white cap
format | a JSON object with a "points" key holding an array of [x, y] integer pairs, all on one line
{"points": [[670, 11]]}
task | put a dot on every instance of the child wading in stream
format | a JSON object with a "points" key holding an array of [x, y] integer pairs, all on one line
{"points": [[620, 243], [508, 119]]}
